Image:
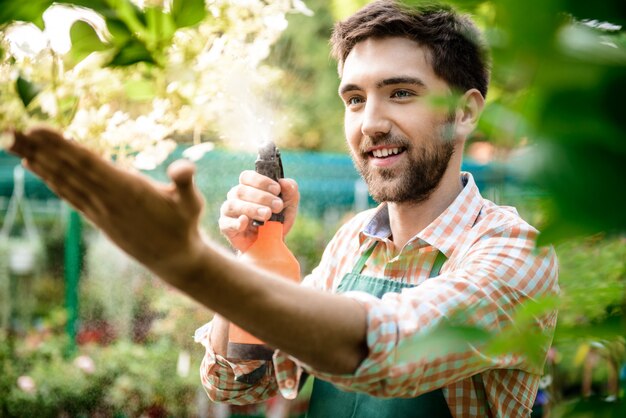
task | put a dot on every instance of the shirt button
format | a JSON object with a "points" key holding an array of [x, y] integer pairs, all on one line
{"points": [[290, 383]]}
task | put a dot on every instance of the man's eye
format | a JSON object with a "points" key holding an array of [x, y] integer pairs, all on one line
{"points": [[401, 94], [355, 100]]}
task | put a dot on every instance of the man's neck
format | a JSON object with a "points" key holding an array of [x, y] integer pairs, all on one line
{"points": [[408, 219]]}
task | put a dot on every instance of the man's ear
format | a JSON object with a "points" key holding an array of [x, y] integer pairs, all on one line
{"points": [[468, 111]]}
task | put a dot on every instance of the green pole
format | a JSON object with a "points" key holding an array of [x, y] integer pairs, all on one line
{"points": [[72, 274]]}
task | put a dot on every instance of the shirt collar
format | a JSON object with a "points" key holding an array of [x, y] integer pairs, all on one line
{"points": [[444, 231]]}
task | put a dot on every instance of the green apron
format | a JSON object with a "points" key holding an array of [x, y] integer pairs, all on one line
{"points": [[327, 401]]}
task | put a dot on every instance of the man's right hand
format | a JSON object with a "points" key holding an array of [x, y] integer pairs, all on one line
{"points": [[256, 198]]}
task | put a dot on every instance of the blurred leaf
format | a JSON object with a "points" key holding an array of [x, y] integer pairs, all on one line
{"points": [[139, 90], [67, 109], [28, 11], [445, 338], [84, 41], [131, 53], [592, 276], [581, 354], [100, 6], [26, 90], [594, 408], [582, 123], [160, 28], [120, 33], [591, 45], [531, 40], [468, 5], [133, 19], [521, 336], [525, 334], [606, 10], [607, 329], [188, 12], [343, 8], [586, 188]]}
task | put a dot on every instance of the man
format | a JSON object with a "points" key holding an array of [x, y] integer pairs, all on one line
{"points": [[434, 250]]}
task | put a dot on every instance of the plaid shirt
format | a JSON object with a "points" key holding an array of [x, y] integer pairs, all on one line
{"points": [[493, 267]]}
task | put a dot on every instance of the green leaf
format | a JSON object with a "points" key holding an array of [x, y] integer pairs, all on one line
{"points": [[131, 53], [445, 338], [139, 90], [120, 33], [28, 11], [593, 407], [606, 10], [606, 329], [26, 90], [84, 41], [100, 6], [160, 26], [67, 109], [188, 12]]}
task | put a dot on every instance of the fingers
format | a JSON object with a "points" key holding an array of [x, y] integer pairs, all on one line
{"points": [[259, 181], [59, 160], [79, 200], [256, 197], [181, 172], [76, 174], [233, 226], [47, 154], [289, 191], [235, 207], [291, 197]]}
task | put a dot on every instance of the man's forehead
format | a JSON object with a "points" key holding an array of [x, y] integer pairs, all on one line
{"points": [[384, 58]]}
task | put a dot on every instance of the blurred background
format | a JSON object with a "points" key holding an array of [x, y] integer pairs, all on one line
{"points": [[85, 331]]}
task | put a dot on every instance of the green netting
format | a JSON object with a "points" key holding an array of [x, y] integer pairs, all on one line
{"points": [[325, 179]]}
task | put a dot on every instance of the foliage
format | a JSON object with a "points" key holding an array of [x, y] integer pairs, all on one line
{"points": [[567, 74], [307, 240], [309, 86], [123, 378], [593, 280], [137, 78]]}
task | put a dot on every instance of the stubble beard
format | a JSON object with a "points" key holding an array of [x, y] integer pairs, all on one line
{"points": [[419, 176]]}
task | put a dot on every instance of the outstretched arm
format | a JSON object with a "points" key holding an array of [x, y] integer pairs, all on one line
{"points": [[158, 225]]}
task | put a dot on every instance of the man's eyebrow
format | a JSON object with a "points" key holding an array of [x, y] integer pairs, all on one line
{"points": [[400, 80], [386, 82], [348, 87]]}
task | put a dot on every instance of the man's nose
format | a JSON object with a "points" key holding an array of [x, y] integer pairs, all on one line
{"points": [[375, 120]]}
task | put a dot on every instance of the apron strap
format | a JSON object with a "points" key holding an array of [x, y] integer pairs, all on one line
{"points": [[360, 264], [441, 258]]}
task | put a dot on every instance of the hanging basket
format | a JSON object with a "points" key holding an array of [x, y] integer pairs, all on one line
{"points": [[21, 256], [24, 256]]}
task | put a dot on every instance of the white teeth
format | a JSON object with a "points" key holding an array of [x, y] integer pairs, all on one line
{"points": [[382, 153]]}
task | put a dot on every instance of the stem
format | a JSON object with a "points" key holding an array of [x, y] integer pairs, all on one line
{"points": [[57, 76]]}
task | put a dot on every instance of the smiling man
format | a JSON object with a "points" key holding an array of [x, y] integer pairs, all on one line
{"points": [[432, 251], [413, 82]]}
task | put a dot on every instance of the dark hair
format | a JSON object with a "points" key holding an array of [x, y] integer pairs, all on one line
{"points": [[457, 52]]}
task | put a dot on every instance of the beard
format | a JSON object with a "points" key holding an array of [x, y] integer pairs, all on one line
{"points": [[416, 179]]}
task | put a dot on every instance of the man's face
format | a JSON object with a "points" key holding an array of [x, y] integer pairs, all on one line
{"points": [[400, 141]]}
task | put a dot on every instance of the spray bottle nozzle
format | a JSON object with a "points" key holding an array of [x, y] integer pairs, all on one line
{"points": [[269, 164]]}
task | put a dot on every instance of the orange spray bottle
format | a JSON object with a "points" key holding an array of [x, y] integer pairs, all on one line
{"points": [[268, 252]]}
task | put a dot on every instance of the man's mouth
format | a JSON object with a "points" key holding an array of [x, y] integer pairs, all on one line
{"points": [[386, 152]]}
